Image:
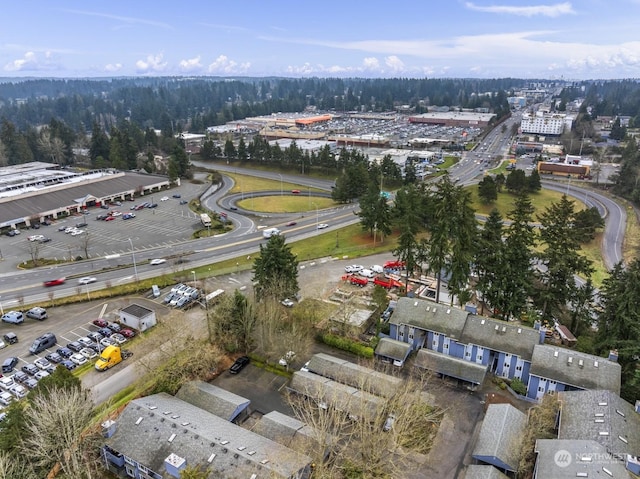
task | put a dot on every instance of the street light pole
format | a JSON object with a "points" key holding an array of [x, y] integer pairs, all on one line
{"points": [[1, 310], [194, 277], [317, 215], [281, 191], [133, 255]]}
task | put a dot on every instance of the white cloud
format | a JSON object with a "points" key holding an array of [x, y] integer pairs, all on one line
{"points": [[394, 63], [223, 64], [191, 65], [371, 63], [526, 11], [113, 67], [32, 61], [152, 64]]}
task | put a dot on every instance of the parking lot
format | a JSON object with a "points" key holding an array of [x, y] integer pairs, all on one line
{"points": [[169, 223]]}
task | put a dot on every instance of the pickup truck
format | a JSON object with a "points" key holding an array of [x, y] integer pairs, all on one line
{"points": [[362, 282], [387, 283], [111, 355]]}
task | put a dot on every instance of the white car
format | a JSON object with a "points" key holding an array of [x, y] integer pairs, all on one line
{"points": [[70, 229], [88, 353], [77, 232], [5, 398], [42, 363], [35, 237], [157, 261], [41, 374], [6, 383], [19, 391], [118, 338], [2, 344], [78, 359], [287, 302], [87, 280], [116, 213], [86, 341], [106, 342], [322, 226], [353, 268], [164, 198]]}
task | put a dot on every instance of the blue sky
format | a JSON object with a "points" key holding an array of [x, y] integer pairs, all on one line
{"points": [[580, 39]]}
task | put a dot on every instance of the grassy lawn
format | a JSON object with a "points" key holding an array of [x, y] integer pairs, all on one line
{"points": [[286, 204], [253, 183]]}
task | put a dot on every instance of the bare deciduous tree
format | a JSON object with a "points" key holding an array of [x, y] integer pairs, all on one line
{"points": [[10, 468], [57, 433], [368, 435]]}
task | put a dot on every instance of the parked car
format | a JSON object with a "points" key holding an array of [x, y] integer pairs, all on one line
{"points": [[106, 342], [20, 377], [86, 341], [64, 352], [30, 369], [164, 198], [6, 398], [19, 391], [287, 302], [81, 225], [101, 323], [118, 338], [128, 333], [10, 338], [9, 364], [88, 353], [95, 336], [45, 240], [110, 218], [42, 363], [128, 216], [183, 202], [176, 195], [7, 383], [106, 332], [37, 313], [41, 374], [31, 383], [75, 346], [67, 363], [14, 317], [54, 358], [353, 268], [183, 301], [169, 297], [79, 359], [239, 364], [115, 327]]}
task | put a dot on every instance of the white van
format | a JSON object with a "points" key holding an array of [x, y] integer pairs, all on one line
{"points": [[269, 232], [367, 273], [376, 268]]}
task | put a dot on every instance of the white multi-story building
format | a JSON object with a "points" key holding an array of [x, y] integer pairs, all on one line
{"points": [[545, 124]]}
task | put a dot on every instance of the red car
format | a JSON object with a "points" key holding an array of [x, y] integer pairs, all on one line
{"points": [[128, 333], [295, 192], [101, 323], [291, 223], [55, 282], [110, 218]]}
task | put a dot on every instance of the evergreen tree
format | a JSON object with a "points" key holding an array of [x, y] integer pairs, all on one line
{"points": [[275, 270], [515, 282], [560, 257], [533, 181], [489, 259], [487, 190]]}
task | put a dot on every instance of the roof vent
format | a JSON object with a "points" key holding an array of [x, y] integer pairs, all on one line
{"points": [[504, 329], [415, 303], [603, 433], [251, 453], [586, 458], [570, 360], [519, 330], [497, 327], [598, 421], [139, 420], [186, 423], [153, 407], [602, 403], [211, 458], [224, 443], [582, 474], [595, 364], [176, 416], [428, 309], [241, 448], [434, 310], [224, 450], [166, 413], [482, 322], [449, 311], [172, 437], [254, 476], [264, 461], [555, 354], [235, 455], [599, 414], [581, 363]]}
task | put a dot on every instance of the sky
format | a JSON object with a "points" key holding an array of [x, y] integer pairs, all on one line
{"points": [[571, 40]]}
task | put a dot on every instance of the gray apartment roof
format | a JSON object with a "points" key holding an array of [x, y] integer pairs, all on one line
{"points": [[478, 471], [577, 454], [354, 375], [501, 434], [151, 428], [392, 348], [589, 414], [430, 316], [52, 199], [137, 311], [581, 370], [288, 431], [339, 396], [500, 336], [451, 366], [213, 399]]}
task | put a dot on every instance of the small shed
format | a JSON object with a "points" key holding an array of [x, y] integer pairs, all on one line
{"points": [[138, 317]]}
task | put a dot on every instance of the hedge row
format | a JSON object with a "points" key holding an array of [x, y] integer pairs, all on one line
{"points": [[345, 344]]}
